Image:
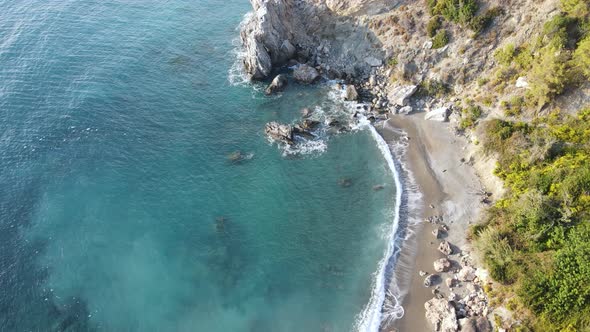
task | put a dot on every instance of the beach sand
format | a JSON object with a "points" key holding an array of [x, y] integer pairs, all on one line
{"points": [[449, 187]]}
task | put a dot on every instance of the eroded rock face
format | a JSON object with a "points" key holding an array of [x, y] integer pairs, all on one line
{"points": [[305, 74], [441, 315]]}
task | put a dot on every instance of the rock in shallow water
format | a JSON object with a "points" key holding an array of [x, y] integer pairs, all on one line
{"points": [[279, 132]]}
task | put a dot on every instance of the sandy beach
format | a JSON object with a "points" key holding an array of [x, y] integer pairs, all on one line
{"points": [[449, 186]]}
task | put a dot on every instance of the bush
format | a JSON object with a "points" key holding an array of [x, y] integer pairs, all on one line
{"points": [[505, 55], [479, 24], [460, 11], [433, 26], [433, 88], [440, 39], [548, 76], [581, 59]]}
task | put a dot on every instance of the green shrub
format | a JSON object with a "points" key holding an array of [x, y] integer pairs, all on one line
{"points": [[479, 24], [548, 76], [459, 11], [505, 55], [440, 39], [433, 26], [433, 88], [581, 59]]}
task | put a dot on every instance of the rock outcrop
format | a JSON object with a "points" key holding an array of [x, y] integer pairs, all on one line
{"points": [[351, 93], [279, 132], [441, 314], [400, 95]]}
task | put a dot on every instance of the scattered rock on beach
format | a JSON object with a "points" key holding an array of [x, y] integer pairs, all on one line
{"points": [[278, 84], [445, 248], [442, 265], [406, 110], [431, 280], [305, 74], [441, 315]]}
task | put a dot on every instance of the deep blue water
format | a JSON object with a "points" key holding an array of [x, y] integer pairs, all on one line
{"points": [[119, 209]]}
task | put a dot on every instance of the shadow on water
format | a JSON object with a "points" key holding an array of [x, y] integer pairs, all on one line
{"points": [[24, 300]]}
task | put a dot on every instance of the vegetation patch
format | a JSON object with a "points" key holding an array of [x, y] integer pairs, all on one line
{"points": [[441, 39]]}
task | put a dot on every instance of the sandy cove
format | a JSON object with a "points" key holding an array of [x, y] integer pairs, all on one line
{"points": [[450, 188]]}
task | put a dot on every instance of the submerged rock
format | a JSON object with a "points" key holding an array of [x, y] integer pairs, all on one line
{"points": [[441, 315], [305, 74], [278, 84]]}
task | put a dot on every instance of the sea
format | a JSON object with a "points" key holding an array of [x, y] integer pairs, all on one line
{"points": [[138, 191]]}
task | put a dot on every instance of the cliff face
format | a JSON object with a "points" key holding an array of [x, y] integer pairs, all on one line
{"points": [[316, 32], [267, 36]]}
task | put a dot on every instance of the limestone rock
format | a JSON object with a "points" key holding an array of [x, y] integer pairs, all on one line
{"points": [[306, 112], [440, 114], [401, 94], [305, 74], [445, 248], [278, 84], [442, 265], [351, 93], [441, 315]]}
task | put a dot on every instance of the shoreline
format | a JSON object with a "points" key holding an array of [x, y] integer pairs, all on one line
{"points": [[449, 188]]}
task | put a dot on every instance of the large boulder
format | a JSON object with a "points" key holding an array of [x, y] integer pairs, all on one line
{"points": [[400, 95], [445, 248], [351, 93], [278, 84], [442, 265], [439, 114], [373, 61], [305, 74], [441, 315], [279, 132]]}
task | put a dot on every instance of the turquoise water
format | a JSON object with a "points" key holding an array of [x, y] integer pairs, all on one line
{"points": [[119, 208]]}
